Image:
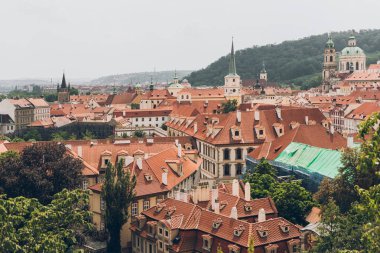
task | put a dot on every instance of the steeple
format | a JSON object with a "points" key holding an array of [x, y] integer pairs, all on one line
{"points": [[263, 70], [63, 84], [330, 42], [232, 68]]}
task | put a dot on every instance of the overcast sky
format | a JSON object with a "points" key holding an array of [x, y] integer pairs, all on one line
{"points": [[92, 38]]}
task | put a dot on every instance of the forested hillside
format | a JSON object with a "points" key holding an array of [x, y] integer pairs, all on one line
{"points": [[296, 62]]}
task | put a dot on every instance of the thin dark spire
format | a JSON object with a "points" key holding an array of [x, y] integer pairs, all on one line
{"points": [[63, 84], [232, 68]]}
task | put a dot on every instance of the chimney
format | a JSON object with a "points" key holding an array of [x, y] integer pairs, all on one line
{"points": [[194, 193], [262, 215], [165, 178], [139, 163], [179, 150], [234, 214], [247, 192], [80, 151], [332, 130], [278, 112], [124, 114], [176, 142], [238, 116], [195, 127], [307, 120], [235, 187], [214, 196], [217, 207], [257, 115], [350, 141]]}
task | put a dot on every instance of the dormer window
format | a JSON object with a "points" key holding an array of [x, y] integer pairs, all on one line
{"points": [[239, 230], [217, 223], [232, 248], [248, 207], [284, 227], [263, 232], [148, 177], [159, 207]]}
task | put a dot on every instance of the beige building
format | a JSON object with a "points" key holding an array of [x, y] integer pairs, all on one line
{"points": [[352, 58], [21, 111], [41, 108]]}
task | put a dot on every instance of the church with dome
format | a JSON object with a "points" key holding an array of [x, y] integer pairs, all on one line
{"points": [[352, 58]]}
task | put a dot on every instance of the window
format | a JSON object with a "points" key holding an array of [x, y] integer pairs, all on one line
{"points": [[150, 119], [84, 185], [294, 248], [160, 245], [357, 65], [226, 154], [226, 169], [106, 161], [146, 204], [142, 119], [239, 154], [250, 150], [331, 58], [102, 204], [166, 233], [163, 118], [261, 132], [134, 209], [160, 231], [239, 169]]}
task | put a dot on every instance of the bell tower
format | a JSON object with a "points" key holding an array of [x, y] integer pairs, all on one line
{"points": [[232, 85], [329, 64]]}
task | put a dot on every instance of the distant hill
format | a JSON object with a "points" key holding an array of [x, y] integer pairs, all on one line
{"points": [[141, 77], [297, 62]]}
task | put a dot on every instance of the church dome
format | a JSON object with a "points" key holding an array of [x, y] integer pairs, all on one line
{"points": [[352, 51]]}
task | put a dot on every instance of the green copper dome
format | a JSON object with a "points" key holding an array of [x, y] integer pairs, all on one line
{"points": [[330, 42], [352, 51]]}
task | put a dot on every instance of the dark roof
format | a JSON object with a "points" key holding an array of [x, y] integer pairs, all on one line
{"points": [[5, 119]]}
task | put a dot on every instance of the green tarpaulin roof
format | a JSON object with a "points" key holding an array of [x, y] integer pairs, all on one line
{"points": [[309, 159]]}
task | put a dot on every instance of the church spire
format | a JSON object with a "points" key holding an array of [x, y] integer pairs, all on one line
{"points": [[63, 84], [232, 69]]}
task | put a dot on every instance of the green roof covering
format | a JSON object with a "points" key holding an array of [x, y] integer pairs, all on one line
{"points": [[311, 160]]}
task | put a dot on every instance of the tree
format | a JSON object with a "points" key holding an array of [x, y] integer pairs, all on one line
{"points": [[135, 106], [51, 97], [88, 135], [262, 185], [118, 192], [229, 106], [139, 133], [28, 226], [41, 170], [292, 201], [32, 134]]}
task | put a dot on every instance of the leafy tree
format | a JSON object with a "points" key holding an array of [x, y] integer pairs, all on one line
{"points": [[51, 97], [40, 171], [164, 127], [118, 192], [73, 91], [139, 133], [88, 135], [28, 226], [262, 185], [32, 134], [292, 201], [265, 168], [229, 106], [135, 106]]}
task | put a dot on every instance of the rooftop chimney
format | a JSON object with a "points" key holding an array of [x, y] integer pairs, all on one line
{"points": [[247, 192], [257, 115], [176, 142], [139, 163], [195, 127], [332, 130], [234, 214], [307, 120], [350, 141], [165, 178], [278, 112], [179, 150], [238, 116], [214, 196], [235, 187], [216, 207], [261, 215], [80, 151]]}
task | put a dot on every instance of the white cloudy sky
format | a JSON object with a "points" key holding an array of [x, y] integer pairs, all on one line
{"points": [[91, 38]]}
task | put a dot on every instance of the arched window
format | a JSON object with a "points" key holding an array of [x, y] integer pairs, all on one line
{"points": [[226, 154], [347, 66], [239, 154], [357, 65], [187, 96], [227, 170], [331, 58], [239, 169], [326, 58]]}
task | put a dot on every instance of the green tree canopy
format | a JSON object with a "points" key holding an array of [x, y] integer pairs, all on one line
{"points": [[118, 192], [28, 226], [40, 171], [229, 106]]}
